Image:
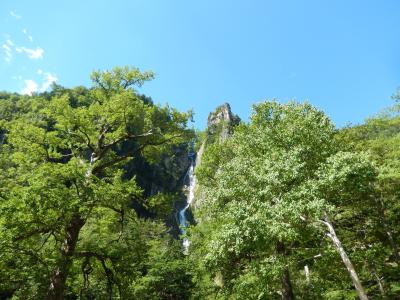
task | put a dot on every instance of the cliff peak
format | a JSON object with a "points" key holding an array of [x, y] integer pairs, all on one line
{"points": [[221, 121]]}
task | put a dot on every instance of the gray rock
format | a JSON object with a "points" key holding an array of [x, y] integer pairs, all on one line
{"points": [[220, 123]]}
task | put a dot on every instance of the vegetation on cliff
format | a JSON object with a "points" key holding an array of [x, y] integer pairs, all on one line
{"points": [[287, 206]]}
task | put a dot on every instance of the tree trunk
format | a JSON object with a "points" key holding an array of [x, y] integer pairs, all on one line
{"points": [[287, 289], [307, 274], [357, 283], [60, 274]]}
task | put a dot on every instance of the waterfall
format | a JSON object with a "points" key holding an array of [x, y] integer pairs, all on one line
{"points": [[183, 223]]}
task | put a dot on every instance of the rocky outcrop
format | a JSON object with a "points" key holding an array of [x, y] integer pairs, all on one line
{"points": [[220, 123], [220, 126]]}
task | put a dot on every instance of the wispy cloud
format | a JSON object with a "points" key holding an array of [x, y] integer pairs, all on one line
{"points": [[25, 32], [39, 82], [32, 53], [15, 15], [7, 47], [50, 79], [30, 87]]}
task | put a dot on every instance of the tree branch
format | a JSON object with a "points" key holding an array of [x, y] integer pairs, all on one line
{"points": [[107, 271], [32, 233], [88, 142], [112, 162], [127, 137]]}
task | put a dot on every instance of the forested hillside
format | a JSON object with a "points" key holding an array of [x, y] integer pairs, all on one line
{"points": [[286, 205]]}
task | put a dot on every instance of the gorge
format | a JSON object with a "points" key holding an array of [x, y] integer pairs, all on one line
{"points": [[284, 205]]}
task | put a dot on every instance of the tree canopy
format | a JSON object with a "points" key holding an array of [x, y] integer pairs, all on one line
{"points": [[268, 194], [65, 194], [286, 206]]}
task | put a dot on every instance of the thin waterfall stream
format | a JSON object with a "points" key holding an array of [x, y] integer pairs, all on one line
{"points": [[183, 222]]}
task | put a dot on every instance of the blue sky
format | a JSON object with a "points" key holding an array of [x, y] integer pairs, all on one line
{"points": [[342, 56]]}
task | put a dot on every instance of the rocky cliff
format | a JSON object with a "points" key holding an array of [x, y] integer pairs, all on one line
{"points": [[220, 126], [220, 123], [167, 178]]}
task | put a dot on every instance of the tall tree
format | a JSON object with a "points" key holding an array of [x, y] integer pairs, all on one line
{"points": [[67, 161], [265, 190]]}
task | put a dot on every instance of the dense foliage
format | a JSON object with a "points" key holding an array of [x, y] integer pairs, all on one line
{"points": [[272, 196], [286, 205], [67, 227]]}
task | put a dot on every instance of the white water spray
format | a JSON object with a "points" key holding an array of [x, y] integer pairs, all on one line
{"points": [[183, 223]]}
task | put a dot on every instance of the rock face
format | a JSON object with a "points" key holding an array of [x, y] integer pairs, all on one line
{"points": [[220, 126], [163, 177], [167, 176], [220, 123]]}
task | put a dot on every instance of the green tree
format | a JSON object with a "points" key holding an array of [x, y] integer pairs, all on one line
{"points": [[65, 193], [380, 136], [266, 192]]}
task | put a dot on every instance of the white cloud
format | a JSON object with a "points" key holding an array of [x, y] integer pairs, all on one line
{"points": [[30, 87], [6, 48], [14, 15], [25, 32], [7, 51], [10, 43], [50, 78], [32, 53]]}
